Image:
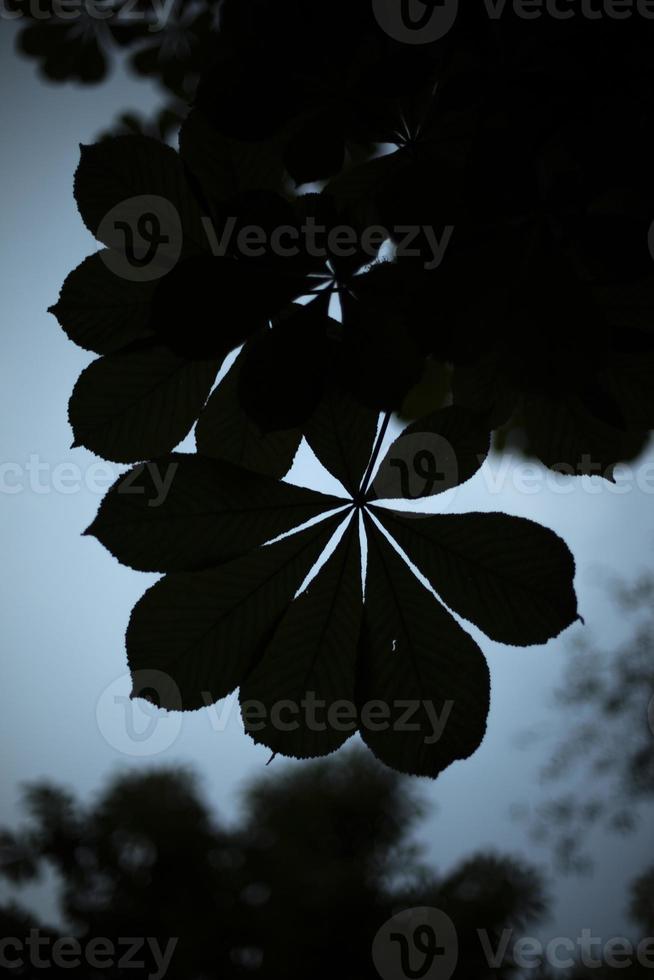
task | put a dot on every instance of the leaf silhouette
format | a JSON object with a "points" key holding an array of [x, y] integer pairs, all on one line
{"points": [[112, 172], [209, 512], [482, 565], [416, 660], [232, 614], [313, 653], [205, 631], [341, 433], [459, 446], [139, 403], [100, 312]]}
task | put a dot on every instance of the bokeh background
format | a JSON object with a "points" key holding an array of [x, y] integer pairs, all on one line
{"points": [[66, 602]]}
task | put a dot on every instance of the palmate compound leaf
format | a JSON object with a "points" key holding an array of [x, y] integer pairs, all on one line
{"points": [[302, 688], [399, 666], [188, 512], [206, 630], [426, 672]]}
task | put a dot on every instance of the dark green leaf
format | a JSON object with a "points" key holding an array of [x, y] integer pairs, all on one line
{"points": [[206, 307], [139, 404], [511, 577], [570, 439], [224, 431], [224, 166], [419, 667], [341, 432], [434, 454], [309, 666], [101, 311], [206, 630], [284, 371], [317, 150], [116, 170], [187, 512]]}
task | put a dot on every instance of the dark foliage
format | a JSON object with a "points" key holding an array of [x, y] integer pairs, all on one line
{"points": [[321, 858], [604, 752], [516, 151]]}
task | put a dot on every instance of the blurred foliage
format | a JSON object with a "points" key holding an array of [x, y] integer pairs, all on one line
{"points": [[604, 744], [322, 856]]}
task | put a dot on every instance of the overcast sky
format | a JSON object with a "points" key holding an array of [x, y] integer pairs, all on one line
{"points": [[66, 602]]}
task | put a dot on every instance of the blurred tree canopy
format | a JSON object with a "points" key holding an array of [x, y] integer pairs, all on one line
{"points": [[602, 754], [321, 857]]}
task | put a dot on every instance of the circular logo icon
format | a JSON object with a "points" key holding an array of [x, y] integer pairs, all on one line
{"points": [[416, 21], [129, 719], [143, 236], [418, 465], [416, 944]]}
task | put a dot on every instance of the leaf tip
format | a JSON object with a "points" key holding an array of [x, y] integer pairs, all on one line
{"points": [[89, 532]]}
